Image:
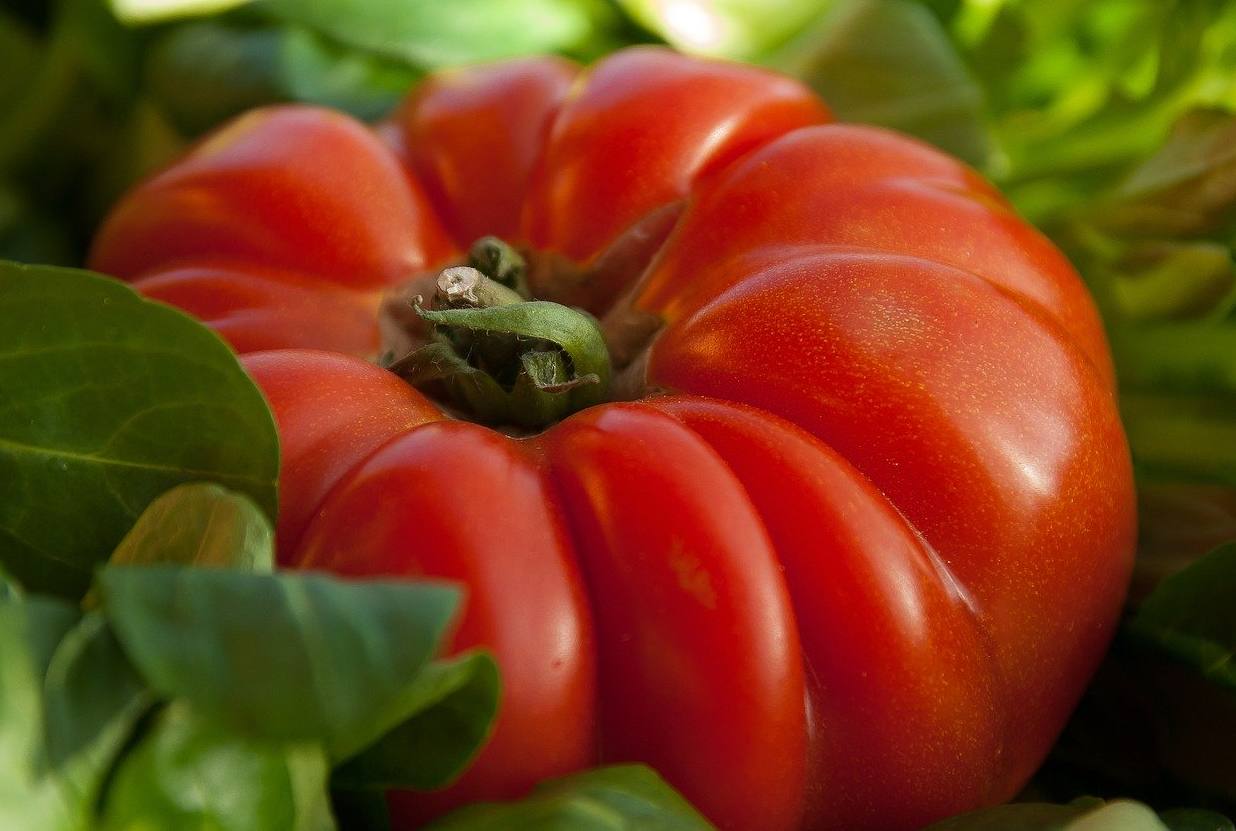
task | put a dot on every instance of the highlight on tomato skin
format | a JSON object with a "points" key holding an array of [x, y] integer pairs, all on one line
{"points": [[852, 523]]}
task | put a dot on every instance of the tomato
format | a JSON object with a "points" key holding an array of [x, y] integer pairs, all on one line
{"points": [[855, 525]]}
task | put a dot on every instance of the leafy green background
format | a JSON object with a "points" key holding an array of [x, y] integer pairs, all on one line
{"points": [[1109, 123]]}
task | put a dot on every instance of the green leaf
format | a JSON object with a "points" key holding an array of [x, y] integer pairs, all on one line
{"points": [[429, 33], [452, 706], [204, 72], [1184, 438], [19, 52], [1192, 616], [889, 62], [93, 699], [32, 107], [572, 331], [190, 773], [1185, 819], [200, 524], [740, 29], [606, 799], [1170, 279], [69, 701], [1082, 815], [106, 49], [316, 70], [144, 142], [1187, 187], [109, 401], [29, 632], [28, 235], [1178, 391], [287, 657], [137, 12]]}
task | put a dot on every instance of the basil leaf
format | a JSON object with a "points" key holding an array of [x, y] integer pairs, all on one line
{"points": [[451, 706], [1192, 616], [18, 56], [190, 773], [200, 524], [430, 33], [28, 235], [107, 50], [136, 12], [1186, 819], [1187, 187], [890, 62], [1082, 815], [68, 703], [29, 632], [109, 401], [287, 657], [605, 799], [204, 72], [739, 29], [318, 71], [93, 700]]}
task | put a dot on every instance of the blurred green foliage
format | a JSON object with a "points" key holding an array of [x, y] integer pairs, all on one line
{"points": [[1111, 124], [93, 101]]}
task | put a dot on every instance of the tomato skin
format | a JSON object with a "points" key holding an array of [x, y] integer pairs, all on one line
{"points": [[257, 191], [614, 156], [424, 504], [864, 187], [986, 427], [255, 308], [848, 563], [700, 668], [444, 132], [368, 407], [867, 592]]}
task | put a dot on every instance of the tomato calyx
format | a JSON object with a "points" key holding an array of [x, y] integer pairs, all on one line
{"points": [[499, 261], [502, 359]]}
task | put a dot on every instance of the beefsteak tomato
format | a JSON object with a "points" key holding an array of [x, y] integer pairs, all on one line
{"points": [[851, 529]]}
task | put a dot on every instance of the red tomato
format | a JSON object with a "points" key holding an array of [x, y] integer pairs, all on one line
{"points": [[850, 558]]}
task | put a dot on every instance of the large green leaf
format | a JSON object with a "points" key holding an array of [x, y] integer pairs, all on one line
{"points": [[287, 657], [109, 400], [190, 773], [606, 799], [1192, 615]]}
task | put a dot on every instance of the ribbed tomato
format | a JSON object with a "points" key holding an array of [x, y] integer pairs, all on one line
{"points": [[851, 528]]}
